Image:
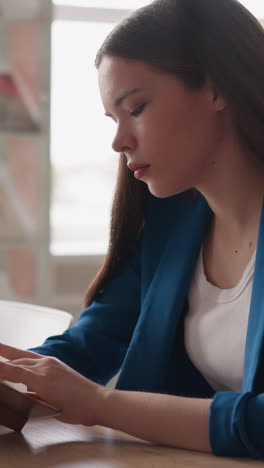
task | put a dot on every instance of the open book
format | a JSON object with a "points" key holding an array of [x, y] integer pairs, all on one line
{"points": [[17, 407]]}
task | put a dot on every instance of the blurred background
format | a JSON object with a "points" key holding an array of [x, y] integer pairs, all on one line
{"points": [[58, 170]]}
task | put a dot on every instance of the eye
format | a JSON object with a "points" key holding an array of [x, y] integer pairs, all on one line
{"points": [[137, 111]]}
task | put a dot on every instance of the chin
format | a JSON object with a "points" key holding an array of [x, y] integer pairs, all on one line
{"points": [[163, 193]]}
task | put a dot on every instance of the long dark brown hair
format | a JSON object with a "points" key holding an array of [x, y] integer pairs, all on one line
{"points": [[193, 40]]}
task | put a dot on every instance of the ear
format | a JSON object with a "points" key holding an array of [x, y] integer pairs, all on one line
{"points": [[219, 101], [216, 99]]}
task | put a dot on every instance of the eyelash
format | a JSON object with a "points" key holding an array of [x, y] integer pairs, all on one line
{"points": [[137, 111]]}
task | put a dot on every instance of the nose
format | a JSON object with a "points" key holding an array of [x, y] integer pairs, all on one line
{"points": [[123, 141]]}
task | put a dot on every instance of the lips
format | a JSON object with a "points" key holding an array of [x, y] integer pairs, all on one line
{"points": [[135, 167]]}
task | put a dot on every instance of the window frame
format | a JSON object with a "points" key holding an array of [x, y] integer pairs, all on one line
{"points": [[89, 14]]}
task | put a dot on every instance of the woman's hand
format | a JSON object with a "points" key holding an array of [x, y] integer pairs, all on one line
{"points": [[77, 398]]}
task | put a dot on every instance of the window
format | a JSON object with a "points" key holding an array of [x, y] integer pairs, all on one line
{"points": [[255, 6], [84, 166]]}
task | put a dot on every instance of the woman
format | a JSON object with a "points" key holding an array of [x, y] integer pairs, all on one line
{"points": [[178, 304]]}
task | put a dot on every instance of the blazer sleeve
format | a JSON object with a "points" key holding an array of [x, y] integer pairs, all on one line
{"points": [[97, 343], [236, 424]]}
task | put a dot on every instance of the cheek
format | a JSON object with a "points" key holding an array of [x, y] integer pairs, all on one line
{"points": [[188, 133], [194, 132], [174, 125]]}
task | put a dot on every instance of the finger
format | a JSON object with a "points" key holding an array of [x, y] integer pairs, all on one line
{"points": [[10, 352], [13, 373], [25, 362]]}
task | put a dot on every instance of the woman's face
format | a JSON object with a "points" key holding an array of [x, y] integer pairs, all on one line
{"points": [[162, 123]]}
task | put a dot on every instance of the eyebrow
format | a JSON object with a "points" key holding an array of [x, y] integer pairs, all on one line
{"points": [[123, 96]]}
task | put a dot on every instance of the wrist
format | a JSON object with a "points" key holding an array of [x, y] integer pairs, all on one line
{"points": [[103, 406]]}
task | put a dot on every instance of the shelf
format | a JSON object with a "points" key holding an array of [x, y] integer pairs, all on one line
{"points": [[19, 134], [25, 49], [32, 10], [18, 111], [16, 223]]}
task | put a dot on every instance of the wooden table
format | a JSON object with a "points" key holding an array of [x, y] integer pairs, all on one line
{"points": [[52, 444]]}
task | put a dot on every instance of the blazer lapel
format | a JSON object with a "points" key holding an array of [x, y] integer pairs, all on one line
{"points": [[253, 369], [164, 302]]}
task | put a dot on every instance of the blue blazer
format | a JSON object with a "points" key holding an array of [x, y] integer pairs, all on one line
{"points": [[136, 324]]}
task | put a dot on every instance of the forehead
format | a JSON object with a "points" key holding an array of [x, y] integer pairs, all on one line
{"points": [[116, 74]]}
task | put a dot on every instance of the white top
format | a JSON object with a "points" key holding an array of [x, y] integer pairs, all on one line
{"points": [[216, 325]]}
